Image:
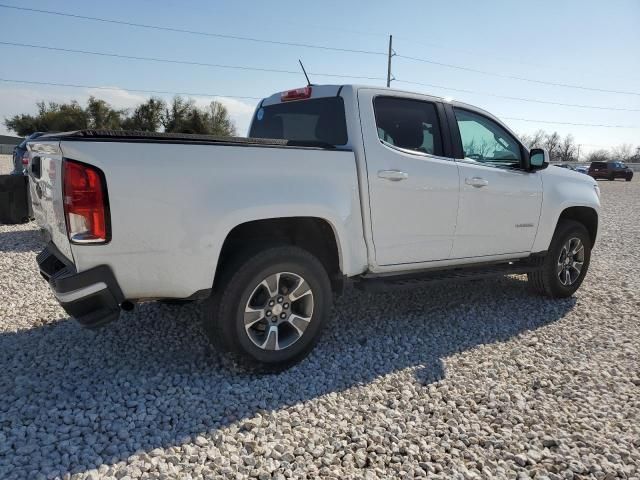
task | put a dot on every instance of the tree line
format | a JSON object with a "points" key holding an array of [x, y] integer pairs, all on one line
{"points": [[567, 150], [154, 115], [183, 116]]}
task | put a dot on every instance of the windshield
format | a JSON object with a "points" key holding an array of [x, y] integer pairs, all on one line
{"points": [[315, 120]]}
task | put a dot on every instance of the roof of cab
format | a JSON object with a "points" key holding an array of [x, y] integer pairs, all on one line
{"points": [[319, 91]]}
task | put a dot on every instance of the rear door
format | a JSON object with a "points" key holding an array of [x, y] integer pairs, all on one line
{"points": [[499, 202], [413, 181]]}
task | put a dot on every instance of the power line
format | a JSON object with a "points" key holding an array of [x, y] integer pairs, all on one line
{"points": [[70, 85], [515, 77], [569, 123], [314, 46], [192, 32], [182, 62], [135, 90], [501, 58], [522, 99], [293, 72]]}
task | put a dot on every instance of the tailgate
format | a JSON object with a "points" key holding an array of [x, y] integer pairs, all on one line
{"points": [[45, 184]]}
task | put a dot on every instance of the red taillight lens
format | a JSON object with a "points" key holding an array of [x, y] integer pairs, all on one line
{"points": [[85, 203], [297, 94], [25, 159]]}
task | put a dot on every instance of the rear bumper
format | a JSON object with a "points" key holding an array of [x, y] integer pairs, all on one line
{"points": [[92, 297]]}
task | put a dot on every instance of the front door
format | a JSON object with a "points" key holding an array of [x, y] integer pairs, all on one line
{"points": [[413, 187], [499, 202]]}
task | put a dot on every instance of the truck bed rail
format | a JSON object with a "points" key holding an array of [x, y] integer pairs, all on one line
{"points": [[190, 138]]}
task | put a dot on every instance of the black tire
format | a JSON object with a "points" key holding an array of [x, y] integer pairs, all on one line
{"points": [[612, 177], [628, 178], [225, 310], [545, 280]]}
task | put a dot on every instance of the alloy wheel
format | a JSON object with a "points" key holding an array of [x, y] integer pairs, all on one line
{"points": [[570, 261], [278, 311]]}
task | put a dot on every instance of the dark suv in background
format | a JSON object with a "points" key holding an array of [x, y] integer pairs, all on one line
{"points": [[19, 152], [610, 170]]}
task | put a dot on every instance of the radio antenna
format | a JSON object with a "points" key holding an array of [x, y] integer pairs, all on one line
{"points": [[305, 73]]}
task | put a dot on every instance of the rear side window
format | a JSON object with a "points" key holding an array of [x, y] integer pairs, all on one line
{"points": [[598, 165], [314, 120], [409, 124]]}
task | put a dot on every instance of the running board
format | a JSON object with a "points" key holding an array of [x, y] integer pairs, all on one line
{"points": [[419, 279]]}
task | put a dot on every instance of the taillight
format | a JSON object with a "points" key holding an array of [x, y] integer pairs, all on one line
{"points": [[25, 159], [296, 94], [85, 203]]}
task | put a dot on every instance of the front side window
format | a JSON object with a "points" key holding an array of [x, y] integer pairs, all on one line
{"points": [[408, 124], [485, 141]]}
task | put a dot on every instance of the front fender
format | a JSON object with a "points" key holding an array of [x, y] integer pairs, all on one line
{"points": [[561, 192]]}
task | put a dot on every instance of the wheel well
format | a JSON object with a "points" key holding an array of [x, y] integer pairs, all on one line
{"points": [[313, 234], [586, 216]]}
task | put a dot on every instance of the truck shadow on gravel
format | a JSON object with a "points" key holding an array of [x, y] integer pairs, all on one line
{"points": [[72, 399], [20, 241]]}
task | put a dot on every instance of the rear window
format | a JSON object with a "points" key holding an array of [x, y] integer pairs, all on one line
{"points": [[315, 120], [598, 165]]}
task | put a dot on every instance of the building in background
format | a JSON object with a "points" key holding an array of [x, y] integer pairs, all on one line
{"points": [[7, 142]]}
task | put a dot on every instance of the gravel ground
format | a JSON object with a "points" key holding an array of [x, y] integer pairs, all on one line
{"points": [[469, 380]]}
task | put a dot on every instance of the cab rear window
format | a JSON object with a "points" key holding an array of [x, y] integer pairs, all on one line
{"points": [[315, 120]]}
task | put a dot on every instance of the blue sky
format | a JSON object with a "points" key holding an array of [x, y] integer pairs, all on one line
{"points": [[590, 43]]}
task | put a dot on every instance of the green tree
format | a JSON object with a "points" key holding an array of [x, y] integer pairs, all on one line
{"points": [[51, 117], [183, 116], [146, 117], [102, 116], [221, 123]]}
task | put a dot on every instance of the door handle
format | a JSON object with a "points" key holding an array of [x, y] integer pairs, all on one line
{"points": [[393, 175], [476, 182]]}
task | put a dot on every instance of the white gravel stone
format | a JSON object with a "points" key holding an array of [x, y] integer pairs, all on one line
{"points": [[456, 381]]}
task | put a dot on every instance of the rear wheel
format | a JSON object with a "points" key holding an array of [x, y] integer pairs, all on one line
{"points": [[628, 178], [270, 308], [564, 267], [612, 176]]}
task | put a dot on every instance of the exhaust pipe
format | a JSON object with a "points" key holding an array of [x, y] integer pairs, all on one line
{"points": [[127, 305]]}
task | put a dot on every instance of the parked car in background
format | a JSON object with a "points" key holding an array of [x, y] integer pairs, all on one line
{"points": [[20, 154], [582, 169], [610, 170], [565, 165]]}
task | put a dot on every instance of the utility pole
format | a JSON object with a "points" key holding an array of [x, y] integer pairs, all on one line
{"points": [[578, 155], [391, 54]]}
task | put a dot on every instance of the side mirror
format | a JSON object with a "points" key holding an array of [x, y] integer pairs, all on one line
{"points": [[538, 159]]}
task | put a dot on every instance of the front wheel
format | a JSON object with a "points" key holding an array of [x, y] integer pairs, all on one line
{"points": [[564, 267], [270, 308]]}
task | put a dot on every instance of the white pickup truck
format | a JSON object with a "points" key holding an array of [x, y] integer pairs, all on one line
{"points": [[335, 185]]}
